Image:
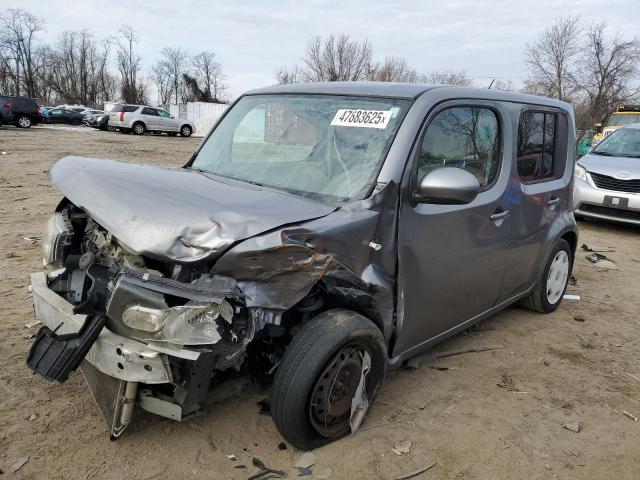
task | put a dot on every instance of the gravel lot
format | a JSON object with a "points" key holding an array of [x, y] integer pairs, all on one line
{"points": [[579, 365]]}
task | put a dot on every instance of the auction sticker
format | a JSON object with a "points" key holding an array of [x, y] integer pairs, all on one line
{"points": [[361, 118]]}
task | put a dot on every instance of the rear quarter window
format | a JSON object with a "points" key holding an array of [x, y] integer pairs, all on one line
{"points": [[541, 154]]}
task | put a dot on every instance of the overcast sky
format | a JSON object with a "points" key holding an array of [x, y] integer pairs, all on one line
{"points": [[252, 38]]}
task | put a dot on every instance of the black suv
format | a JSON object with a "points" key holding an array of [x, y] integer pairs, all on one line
{"points": [[26, 111]]}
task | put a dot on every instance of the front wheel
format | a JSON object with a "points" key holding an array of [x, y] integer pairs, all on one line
{"points": [[327, 378], [138, 128], [548, 293]]}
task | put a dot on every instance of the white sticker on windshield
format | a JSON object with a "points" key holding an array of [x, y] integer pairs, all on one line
{"points": [[346, 117]]}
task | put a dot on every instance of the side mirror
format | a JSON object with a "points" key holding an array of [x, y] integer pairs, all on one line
{"points": [[597, 127], [447, 185]]}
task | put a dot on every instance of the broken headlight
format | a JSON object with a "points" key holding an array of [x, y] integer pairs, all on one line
{"points": [[56, 241], [190, 324]]}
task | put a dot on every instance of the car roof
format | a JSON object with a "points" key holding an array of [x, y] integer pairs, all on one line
{"points": [[409, 91]]}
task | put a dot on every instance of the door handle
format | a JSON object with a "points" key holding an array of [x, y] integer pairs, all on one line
{"points": [[554, 201], [499, 215]]}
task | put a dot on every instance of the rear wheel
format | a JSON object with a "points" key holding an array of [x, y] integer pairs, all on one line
{"points": [[185, 131], [339, 357], [75, 122], [172, 134], [23, 121], [124, 130], [548, 293], [138, 128]]}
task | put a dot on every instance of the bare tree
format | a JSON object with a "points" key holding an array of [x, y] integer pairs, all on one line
{"points": [[394, 69], [132, 87], [162, 79], [208, 73], [448, 77], [78, 69], [551, 59], [286, 75], [18, 30], [174, 61], [608, 72], [336, 58]]}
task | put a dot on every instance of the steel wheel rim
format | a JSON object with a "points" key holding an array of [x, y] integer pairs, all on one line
{"points": [[557, 277], [330, 400]]}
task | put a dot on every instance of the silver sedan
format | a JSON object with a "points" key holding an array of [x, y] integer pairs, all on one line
{"points": [[607, 179]]}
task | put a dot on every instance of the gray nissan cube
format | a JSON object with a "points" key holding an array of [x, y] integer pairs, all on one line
{"points": [[320, 235]]}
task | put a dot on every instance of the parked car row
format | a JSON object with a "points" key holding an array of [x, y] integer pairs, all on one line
{"points": [[137, 119]]}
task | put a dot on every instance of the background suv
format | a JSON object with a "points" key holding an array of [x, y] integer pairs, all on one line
{"points": [[26, 111], [141, 118]]}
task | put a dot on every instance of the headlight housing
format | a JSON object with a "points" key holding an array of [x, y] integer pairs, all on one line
{"points": [[191, 324], [581, 172], [56, 241]]}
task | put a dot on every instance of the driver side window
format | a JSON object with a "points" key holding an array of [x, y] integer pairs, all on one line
{"points": [[462, 137]]}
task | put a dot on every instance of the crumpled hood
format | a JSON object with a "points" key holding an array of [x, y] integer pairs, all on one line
{"points": [[175, 213], [611, 166]]}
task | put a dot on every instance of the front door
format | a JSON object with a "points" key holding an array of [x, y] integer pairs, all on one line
{"points": [[452, 257]]}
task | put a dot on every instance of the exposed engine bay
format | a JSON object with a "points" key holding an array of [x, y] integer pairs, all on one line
{"points": [[167, 306]]}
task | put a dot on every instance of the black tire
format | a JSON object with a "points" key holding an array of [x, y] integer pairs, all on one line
{"points": [[538, 300], [185, 131], [172, 134], [312, 352], [138, 128], [125, 131], [75, 122], [24, 121]]}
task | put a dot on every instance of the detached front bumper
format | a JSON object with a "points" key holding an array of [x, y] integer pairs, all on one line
{"points": [[111, 354], [114, 367], [612, 205]]}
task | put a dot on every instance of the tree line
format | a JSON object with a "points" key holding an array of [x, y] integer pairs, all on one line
{"points": [[574, 61], [79, 69]]}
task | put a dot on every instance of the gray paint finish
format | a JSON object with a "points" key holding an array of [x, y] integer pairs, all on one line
{"points": [[174, 213]]}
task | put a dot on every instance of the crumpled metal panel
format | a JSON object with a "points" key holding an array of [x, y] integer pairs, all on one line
{"points": [[175, 213], [277, 269]]}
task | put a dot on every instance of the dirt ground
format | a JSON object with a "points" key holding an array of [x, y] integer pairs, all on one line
{"points": [[492, 415]]}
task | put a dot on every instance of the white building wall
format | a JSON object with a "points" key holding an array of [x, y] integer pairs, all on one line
{"points": [[203, 115]]}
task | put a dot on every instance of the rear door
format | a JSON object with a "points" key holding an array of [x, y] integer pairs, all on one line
{"points": [[452, 257], [151, 119], [537, 191], [56, 115]]}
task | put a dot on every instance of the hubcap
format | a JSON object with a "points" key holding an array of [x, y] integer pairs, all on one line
{"points": [[330, 401], [558, 276]]}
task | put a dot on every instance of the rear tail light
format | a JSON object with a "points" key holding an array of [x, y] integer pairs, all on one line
{"points": [[38, 111], [122, 116], [8, 105]]}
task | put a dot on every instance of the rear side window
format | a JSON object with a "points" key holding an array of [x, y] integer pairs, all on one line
{"points": [[536, 146], [462, 137], [124, 108], [149, 111]]}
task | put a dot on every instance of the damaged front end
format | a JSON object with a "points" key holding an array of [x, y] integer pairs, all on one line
{"points": [[161, 318], [170, 331]]}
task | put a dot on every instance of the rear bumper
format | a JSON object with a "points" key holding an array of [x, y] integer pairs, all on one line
{"points": [[590, 201], [111, 354]]}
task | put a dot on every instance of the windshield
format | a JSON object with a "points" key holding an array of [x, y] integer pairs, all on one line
{"points": [[624, 142], [320, 146], [620, 119]]}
